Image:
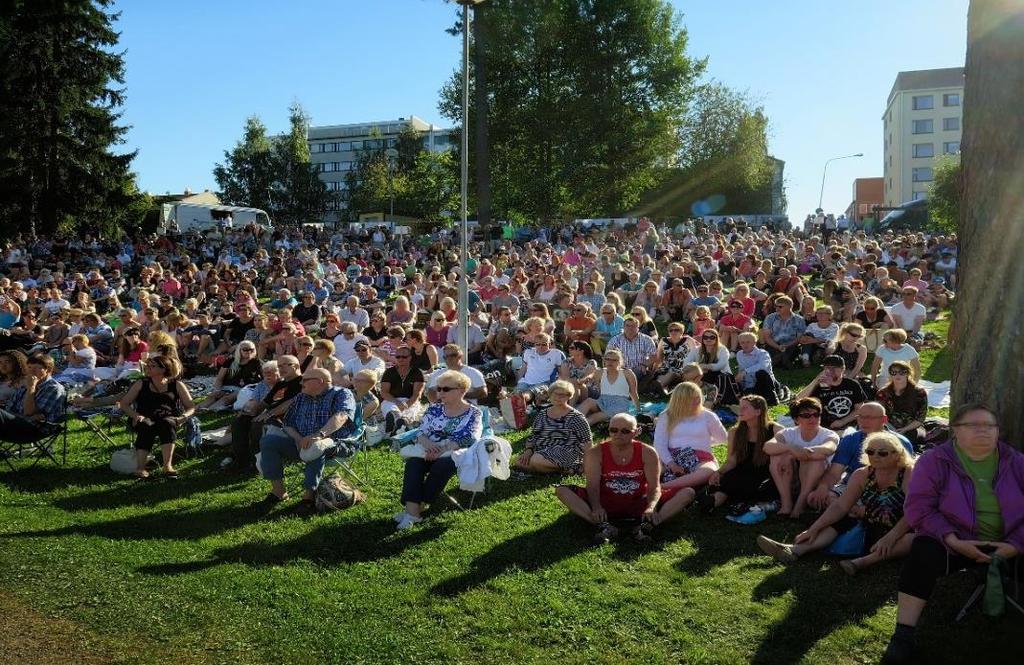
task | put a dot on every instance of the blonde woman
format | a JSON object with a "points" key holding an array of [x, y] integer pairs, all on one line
{"points": [[683, 436], [617, 390], [245, 369], [849, 345], [874, 497]]}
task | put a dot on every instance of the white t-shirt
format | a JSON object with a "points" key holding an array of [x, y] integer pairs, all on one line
{"points": [[904, 316], [700, 433], [540, 368], [791, 436], [373, 362], [906, 353], [345, 349]]}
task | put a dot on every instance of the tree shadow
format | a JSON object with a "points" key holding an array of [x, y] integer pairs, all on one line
{"points": [[526, 552], [824, 601], [327, 544]]}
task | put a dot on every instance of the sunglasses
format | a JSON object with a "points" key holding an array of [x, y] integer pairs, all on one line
{"points": [[620, 430], [854, 335], [445, 389], [611, 359], [809, 414], [403, 355], [678, 330], [872, 452], [899, 372], [709, 338]]}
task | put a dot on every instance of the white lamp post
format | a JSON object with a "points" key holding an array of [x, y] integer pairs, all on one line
{"points": [[825, 170]]}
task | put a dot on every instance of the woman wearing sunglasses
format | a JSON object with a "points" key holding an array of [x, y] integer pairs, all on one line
{"points": [[906, 403], [873, 498]]}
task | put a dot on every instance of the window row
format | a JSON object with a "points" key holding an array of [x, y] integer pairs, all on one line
{"points": [[928, 126], [928, 149], [925, 102], [330, 167], [347, 146]]}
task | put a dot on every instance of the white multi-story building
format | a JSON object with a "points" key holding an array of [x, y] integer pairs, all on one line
{"points": [[334, 149], [922, 120]]}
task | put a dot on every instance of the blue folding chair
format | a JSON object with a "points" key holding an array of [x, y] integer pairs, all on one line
{"points": [[345, 451]]}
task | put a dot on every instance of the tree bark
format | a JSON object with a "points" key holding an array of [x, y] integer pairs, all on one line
{"points": [[988, 346]]}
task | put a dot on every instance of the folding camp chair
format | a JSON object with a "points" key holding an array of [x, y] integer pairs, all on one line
{"points": [[96, 422], [1011, 587], [346, 450], [44, 448]]}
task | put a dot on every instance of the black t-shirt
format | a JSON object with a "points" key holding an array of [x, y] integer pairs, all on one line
{"points": [[400, 388], [235, 330], [838, 401], [283, 390], [303, 313]]}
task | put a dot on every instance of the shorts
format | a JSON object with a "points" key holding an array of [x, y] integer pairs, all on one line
{"points": [[630, 509], [613, 405]]}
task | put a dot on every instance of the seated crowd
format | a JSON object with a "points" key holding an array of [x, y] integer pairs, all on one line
{"points": [[310, 335]]}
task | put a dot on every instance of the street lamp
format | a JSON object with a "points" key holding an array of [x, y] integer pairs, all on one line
{"points": [[463, 330], [825, 170], [392, 154]]}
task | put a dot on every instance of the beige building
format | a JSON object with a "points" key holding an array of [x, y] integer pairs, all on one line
{"points": [[922, 121], [335, 148]]}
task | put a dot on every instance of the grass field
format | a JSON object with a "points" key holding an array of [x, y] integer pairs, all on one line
{"points": [[98, 568]]}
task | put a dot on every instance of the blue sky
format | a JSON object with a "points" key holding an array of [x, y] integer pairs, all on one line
{"points": [[196, 70]]}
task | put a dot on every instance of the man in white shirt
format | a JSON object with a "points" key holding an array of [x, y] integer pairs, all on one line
{"points": [[452, 355], [539, 365], [475, 340], [345, 343], [365, 359], [909, 315], [353, 313]]}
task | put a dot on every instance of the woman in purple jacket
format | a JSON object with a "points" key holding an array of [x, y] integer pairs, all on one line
{"points": [[966, 504]]}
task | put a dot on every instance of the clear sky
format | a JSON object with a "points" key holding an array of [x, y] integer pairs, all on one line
{"points": [[196, 69]]}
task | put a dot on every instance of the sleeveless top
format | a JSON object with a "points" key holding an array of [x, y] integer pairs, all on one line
{"points": [[421, 360], [153, 404], [849, 357], [674, 355], [437, 337], [620, 388], [883, 507], [622, 486]]}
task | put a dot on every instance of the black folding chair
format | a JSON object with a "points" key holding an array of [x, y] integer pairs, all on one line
{"points": [[1011, 587], [40, 449]]}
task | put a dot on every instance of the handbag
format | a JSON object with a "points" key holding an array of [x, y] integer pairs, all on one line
{"points": [[849, 543], [124, 462]]}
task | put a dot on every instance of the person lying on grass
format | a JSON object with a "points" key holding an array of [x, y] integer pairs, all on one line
{"points": [[873, 498], [623, 486], [800, 452]]}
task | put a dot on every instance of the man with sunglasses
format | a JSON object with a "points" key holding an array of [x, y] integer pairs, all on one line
{"points": [[623, 486], [871, 418], [452, 356], [807, 447]]}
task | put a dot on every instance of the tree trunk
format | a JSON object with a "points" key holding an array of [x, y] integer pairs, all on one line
{"points": [[481, 38], [988, 341]]}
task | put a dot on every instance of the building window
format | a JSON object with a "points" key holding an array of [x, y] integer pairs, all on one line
{"points": [[392, 143], [343, 146], [357, 145], [924, 150], [316, 147], [923, 102], [951, 147], [917, 196], [327, 167], [923, 127], [951, 99], [951, 124], [922, 174]]}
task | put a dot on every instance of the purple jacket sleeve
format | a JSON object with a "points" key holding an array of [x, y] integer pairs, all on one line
{"points": [[922, 505]]}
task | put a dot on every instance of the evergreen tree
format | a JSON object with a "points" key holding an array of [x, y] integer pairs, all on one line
{"points": [[59, 100], [247, 176], [300, 195]]}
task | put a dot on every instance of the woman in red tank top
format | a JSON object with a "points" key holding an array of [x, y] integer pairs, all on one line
{"points": [[623, 483]]}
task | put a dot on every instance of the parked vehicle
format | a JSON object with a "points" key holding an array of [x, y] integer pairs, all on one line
{"points": [[185, 217], [909, 216]]}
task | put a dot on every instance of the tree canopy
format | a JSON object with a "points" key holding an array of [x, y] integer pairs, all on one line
{"points": [[60, 91]]}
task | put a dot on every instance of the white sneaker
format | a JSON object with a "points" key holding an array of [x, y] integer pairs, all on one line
{"points": [[408, 521], [226, 462], [398, 516]]}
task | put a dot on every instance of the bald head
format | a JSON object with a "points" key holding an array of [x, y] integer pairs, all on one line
{"points": [[871, 417]]}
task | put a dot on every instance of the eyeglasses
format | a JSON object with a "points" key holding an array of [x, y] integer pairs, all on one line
{"points": [[402, 355], [611, 359], [445, 389], [305, 345], [871, 452], [809, 414], [620, 430], [709, 338], [854, 335], [899, 372], [247, 350]]}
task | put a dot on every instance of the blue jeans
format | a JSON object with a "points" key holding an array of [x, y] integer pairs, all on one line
{"points": [[424, 480], [277, 448]]}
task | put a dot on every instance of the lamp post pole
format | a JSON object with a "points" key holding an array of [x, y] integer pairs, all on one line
{"points": [[463, 330], [821, 196], [392, 154]]}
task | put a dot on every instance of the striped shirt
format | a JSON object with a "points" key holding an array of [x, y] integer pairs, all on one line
{"points": [[635, 352]]}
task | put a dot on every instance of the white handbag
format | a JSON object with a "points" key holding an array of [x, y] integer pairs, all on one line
{"points": [[374, 434], [124, 461]]}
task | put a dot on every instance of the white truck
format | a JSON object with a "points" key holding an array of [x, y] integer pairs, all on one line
{"points": [[185, 217]]}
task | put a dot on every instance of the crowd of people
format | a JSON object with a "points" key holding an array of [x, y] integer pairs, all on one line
{"points": [[309, 335]]}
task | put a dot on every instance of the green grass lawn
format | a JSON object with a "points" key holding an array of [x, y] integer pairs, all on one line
{"points": [[191, 571]]}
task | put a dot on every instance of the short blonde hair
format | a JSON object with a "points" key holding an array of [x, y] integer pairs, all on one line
{"points": [[454, 378], [898, 335], [887, 440], [565, 386]]}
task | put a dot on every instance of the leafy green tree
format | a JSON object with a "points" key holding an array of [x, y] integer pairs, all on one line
{"points": [[247, 176], [430, 188], [60, 79], [299, 194], [945, 192], [584, 99]]}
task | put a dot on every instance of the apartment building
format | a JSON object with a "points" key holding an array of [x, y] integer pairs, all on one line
{"points": [[334, 149], [867, 193], [922, 121]]}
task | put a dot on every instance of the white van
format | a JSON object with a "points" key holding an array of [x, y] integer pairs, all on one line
{"points": [[185, 217]]}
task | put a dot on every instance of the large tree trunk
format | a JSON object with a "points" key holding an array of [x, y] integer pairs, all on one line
{"points": [[988, 326], [481, 35]]}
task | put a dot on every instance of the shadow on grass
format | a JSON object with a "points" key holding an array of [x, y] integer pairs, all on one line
{"points": [[941, 367], [328, 544], [824, 601], [526, 552]]}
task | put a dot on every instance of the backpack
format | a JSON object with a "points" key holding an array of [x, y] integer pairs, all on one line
{"points": [[334, 493], [193, 436]]}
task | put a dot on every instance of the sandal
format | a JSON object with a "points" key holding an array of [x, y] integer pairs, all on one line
{"points": [[605, 533], [849, 567], [642, 533], [272, 499], [171, 475]]}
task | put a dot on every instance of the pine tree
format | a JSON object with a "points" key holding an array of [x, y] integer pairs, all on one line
{"points": [[59, 100], [300, 195]]}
